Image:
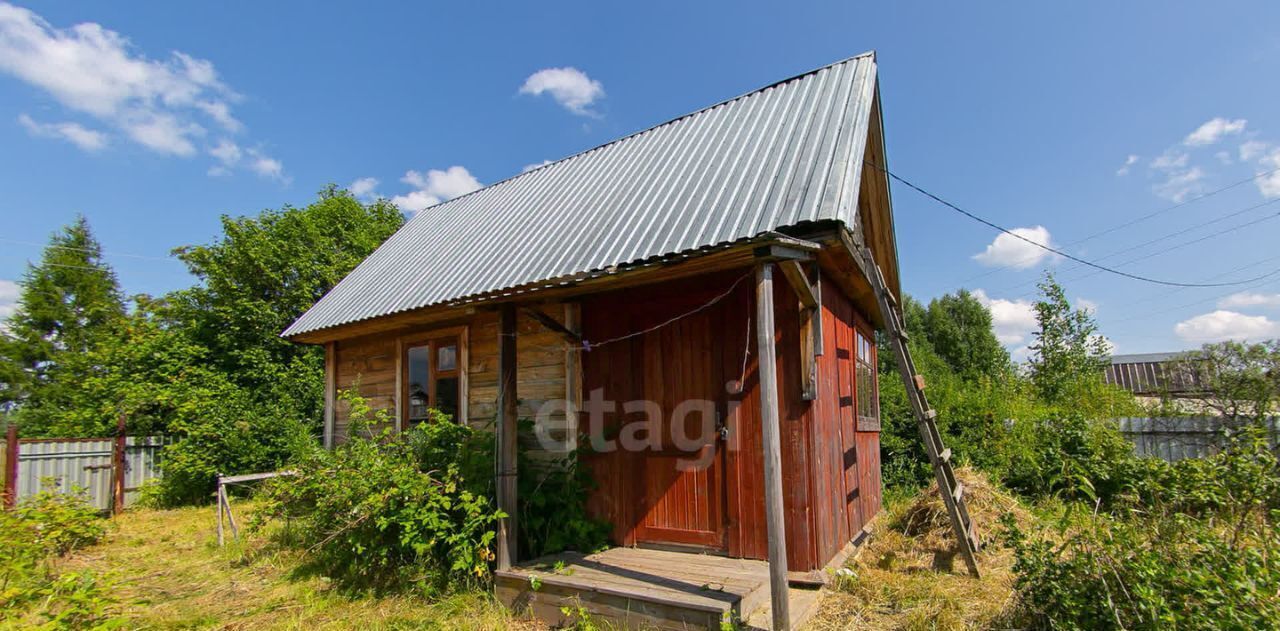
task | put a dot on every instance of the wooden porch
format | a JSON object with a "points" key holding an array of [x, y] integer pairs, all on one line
{"points": [[638, 588]]}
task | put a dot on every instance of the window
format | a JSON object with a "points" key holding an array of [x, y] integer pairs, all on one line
{"points": [[867, 395], [431, 378]]}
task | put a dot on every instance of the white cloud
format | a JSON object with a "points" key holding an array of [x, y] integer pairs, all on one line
{"points": [[265, 165], [363, 187], [1180, 185], [570, 87], [231, 156], [1088, 306], [1246, 299], [1013, 320], [1171, 160], [1128, 162], [536, 165], [227, 152], [1213, 131], [1224, 325], [75, 133], [1269, 184], [1224, 157], [434, 186], [8, 298], [159, 104], [1251, 149], [1010, 251]]}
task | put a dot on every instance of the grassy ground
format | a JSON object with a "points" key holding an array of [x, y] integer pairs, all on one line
{"points": [[908, 576], [169, 573]]}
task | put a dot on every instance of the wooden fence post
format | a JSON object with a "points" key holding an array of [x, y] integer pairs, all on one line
{"points": [[118, 464], [11, 466]]}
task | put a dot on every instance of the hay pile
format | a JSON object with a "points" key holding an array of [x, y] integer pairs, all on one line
{"points": [[909, 575]]}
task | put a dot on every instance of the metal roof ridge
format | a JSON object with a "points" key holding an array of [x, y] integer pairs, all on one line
{"points": [[869, 53]]}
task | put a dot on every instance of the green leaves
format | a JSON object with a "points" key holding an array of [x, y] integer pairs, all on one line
{"points": [[386, 510], [68, 306], [1067, 349]]}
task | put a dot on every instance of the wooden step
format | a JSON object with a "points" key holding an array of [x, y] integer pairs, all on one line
{"points": [[958, 494], [930, 414], [945, 456]]}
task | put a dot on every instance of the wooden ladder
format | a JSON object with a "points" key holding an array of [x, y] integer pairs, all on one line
{"points": [[951, 489]]}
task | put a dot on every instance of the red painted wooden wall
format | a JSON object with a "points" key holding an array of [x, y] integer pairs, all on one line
{"points": [[831, 469]]}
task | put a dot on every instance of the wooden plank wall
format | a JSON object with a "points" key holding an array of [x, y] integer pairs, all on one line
{"points": [[368, 364], [829, 469], [540, 378]]}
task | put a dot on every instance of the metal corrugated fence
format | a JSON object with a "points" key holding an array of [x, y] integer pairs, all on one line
{"points": [[1176, 438], [780, 156], [77, 464]]}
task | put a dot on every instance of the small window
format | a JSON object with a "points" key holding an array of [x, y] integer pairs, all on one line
{"points": [[867, 395], [431, 379]]}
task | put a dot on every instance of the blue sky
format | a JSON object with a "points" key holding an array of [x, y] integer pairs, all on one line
{"points": [[153, 119]]}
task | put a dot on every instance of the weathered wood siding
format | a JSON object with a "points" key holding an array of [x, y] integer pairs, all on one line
{"points": [[369, 365], [831, 471]]}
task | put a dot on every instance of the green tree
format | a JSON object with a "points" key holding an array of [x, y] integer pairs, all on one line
{"points": [[69, 303], [1067, 352], [261, 275], [960, 330], [1239, 381]]}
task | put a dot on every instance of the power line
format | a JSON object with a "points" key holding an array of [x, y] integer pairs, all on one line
{"points": [[1111, 270], [89, 250], [1145, 217], [1174, 247]]}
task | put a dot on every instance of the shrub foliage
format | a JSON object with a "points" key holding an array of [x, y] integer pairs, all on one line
{"points": [[383, 511]]}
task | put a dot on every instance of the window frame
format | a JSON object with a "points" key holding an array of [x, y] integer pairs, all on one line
{"points": [[433, 340], [862, 334]]}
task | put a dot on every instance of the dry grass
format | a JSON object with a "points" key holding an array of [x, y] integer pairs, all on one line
{"points": [[909, 575], [169, 573]]}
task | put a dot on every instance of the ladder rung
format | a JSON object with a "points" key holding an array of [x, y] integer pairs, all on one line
{"points": [[959, 492], [945, 456], [919, 381], [902, 335], [931, 414]]}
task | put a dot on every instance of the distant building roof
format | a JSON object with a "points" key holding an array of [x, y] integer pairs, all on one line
{"points": [[1153, 374], [783, 155], [1144, 358]]}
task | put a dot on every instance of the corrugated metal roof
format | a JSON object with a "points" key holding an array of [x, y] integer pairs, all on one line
{"points": [[782, 155], [1146, 358]]}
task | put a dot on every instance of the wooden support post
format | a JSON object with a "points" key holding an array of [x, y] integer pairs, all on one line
{"points": [[572, 375], [11, 455], [773, 506], [506, 436], [218, 501], [330, 391], [118, 464]]}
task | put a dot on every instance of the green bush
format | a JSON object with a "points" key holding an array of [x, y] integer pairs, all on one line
{"points": [[1185, 545], [233, 434], [385, 511], [1150, 573], [1068, 456], [553, 508], [32, 536]]}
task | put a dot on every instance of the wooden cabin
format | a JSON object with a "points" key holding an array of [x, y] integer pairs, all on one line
{"points": [[712, 258]]}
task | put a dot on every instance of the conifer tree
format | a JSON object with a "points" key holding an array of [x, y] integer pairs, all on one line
{"points": [[67, 304]]}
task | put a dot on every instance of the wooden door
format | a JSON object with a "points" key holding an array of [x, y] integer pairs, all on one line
{"points": [[682, 477]]}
